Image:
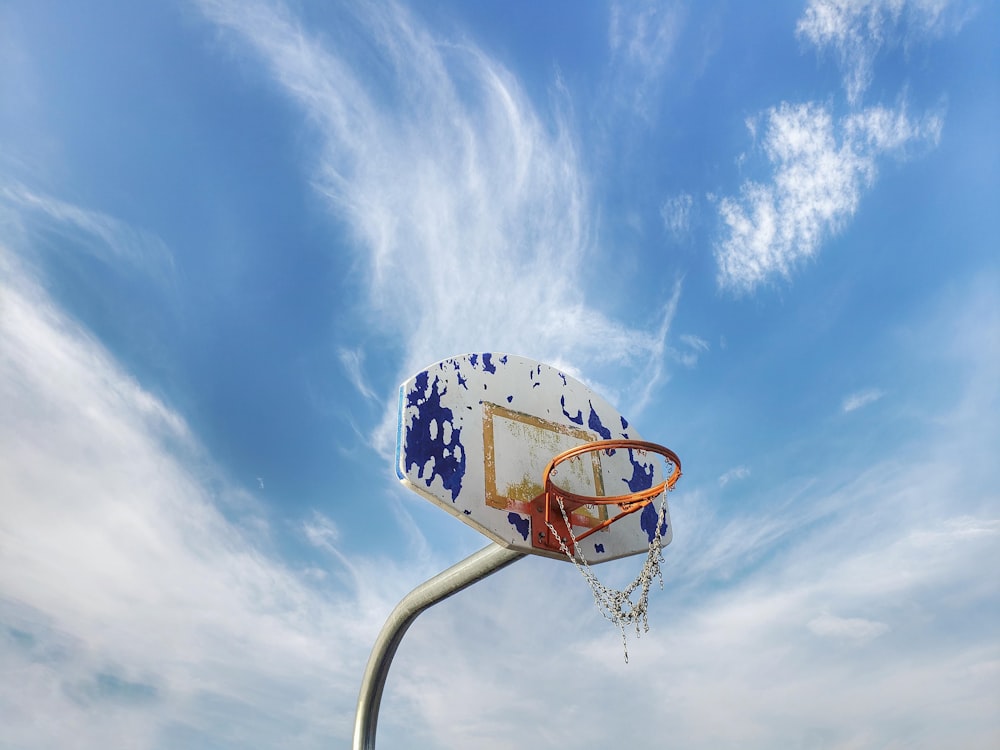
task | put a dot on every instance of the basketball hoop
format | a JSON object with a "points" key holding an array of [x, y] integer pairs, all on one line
{"points": [[475, 432], [541, 464], [554, 514]]}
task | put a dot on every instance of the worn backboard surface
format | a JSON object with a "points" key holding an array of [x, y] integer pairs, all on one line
{"points": [[475, 435]]}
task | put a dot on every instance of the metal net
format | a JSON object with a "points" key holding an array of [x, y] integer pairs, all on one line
{"points": [[617, 605]]}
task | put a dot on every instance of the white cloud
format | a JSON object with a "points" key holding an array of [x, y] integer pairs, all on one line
{"points": [[645, 36], [654, 372], [99, 234], [861, 399], [353, 361], [676, 214], [956, 530], [130, 606], [323, 534], [321, 531], [740, 472], [820, 169], [812, 616], [688, 350], [642, 37], [766, 643], [821, 166], [470, 213], [787, 574], [857, 30], [850, 628], [696, 343]]}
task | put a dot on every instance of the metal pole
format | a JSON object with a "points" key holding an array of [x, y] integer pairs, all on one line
{"points": [[474, 568]]}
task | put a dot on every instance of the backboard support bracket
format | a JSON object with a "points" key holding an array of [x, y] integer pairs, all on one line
{"points": [[460, 576]]}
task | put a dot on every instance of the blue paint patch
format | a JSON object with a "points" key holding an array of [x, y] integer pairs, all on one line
{"points": [[503, 359], [599, 548], [624, 423], [642, 479], [474, 360], [596, 425], [416, 395], [467, 512], [463, 381], [523, 525], [647, 520], [578, 419], [509, 399], [488, 365], [563, 379], [642, 474], [426, 447], [535, 385]]}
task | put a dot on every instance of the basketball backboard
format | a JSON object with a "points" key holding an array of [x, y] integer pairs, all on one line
{"points": [[477, 431]]}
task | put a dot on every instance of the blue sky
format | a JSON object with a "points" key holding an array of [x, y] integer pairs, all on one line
{"points": [[229, 230]]}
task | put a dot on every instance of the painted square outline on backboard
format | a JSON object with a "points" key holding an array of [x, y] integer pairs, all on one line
{"points": [[518, 496]]}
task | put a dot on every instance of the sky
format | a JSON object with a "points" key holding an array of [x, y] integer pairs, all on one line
{"points": [[230, 229]]}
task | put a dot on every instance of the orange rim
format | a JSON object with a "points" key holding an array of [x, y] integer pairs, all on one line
{"points": [[546, 504], [553, 490]]}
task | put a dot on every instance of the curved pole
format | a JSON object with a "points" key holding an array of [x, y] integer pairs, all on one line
{"points": [[459, 576]]}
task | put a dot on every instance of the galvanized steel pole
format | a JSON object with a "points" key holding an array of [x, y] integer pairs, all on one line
{"points": [[459, 576]]}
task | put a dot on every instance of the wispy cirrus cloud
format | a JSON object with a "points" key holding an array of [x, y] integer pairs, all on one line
{"points": [[739, 472], [642, 37], [130, 604], [830, 589], [132, 607], [99, 234], [321, 532], [688, 349], [851, 628], [860, 399], [821, 167], [787, 619], [676, 214], [828, 592], [696, 343], [353, 360], [644, 32], [857, 30], [469, 211]]}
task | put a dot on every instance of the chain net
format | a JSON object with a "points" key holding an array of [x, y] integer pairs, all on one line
{"points": [[617, 605]]}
